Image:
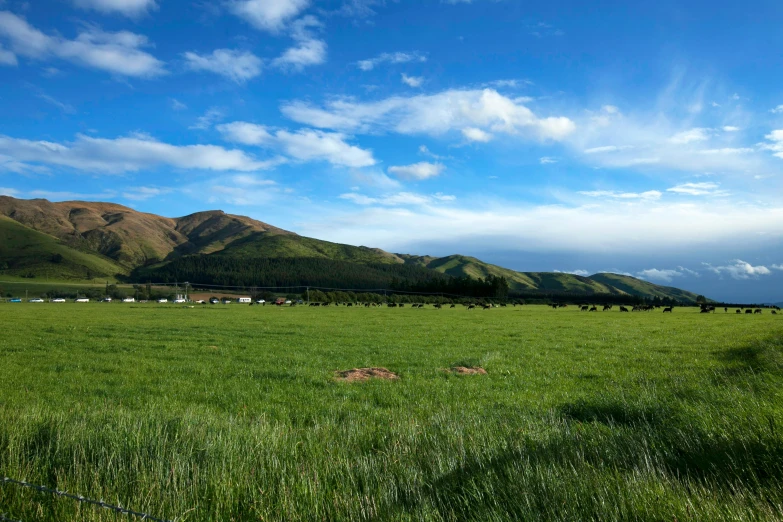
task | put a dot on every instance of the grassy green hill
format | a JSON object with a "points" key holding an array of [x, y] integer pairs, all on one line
{"points": [[633, 286], [275, 245], [84, 240], [25, 252]]}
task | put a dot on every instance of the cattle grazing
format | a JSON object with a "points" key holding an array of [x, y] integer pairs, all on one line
{"points": [[584, 308], [471, 307], [725, 309], [704, 311], [668, 309], [748, 311], [487, 306], [594, 309], [739, 311], [453, 306], [774, 312], [757, 311], [623, 309], [607, 307]]}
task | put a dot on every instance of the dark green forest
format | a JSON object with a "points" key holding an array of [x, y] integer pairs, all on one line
{"points": [[317, 272]]}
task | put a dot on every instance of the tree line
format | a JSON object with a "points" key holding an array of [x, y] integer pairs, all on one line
{"points": [[317, 272]]}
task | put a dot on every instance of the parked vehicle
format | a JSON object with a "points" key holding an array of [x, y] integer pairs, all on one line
{"points": [[180, 301], [16, 300], [81, 300], [58, 300], [163, 300], [36, 300], [129, 300], [214, 300]]}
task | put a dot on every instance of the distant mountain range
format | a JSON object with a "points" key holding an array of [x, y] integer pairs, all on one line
{"points": [[86, 240]]}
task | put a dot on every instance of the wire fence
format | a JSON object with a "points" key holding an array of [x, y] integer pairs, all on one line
{"points": [[78, 498]]}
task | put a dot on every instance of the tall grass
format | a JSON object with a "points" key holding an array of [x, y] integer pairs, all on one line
{"points": [[233, 413]]}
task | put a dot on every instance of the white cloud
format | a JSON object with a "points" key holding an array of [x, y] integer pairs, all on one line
{"points": [[777, 267], [7, 57], [427, 152], [144, 193], [698, 189], [583, 273], [730, 128], [126, 154], [65, 107], [5, 191], [474, 134], [237, 66], [398, 57], [684, 271], [739, 269], [178, 105], [412, 81], [776, 145], [65, 195], [777, 110], [308, 50], [268, 15], [212, 116], [659, 275], [546, 160], [606, 148], [131, 8], [435, 114], [302, 145], [117, 53], [420, 170], [689, 136], [648, 195], [397, 199]]}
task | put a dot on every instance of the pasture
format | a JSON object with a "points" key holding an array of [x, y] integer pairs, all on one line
{"points": [[234, 413]]}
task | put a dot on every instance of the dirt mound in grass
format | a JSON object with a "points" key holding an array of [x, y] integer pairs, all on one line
{"points": [[362, 374], [464, 370]]}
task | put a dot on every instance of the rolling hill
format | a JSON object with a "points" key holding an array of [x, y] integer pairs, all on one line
{"points": [[106, 239], [25, 252]]}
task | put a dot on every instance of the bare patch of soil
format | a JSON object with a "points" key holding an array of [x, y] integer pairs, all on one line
{"points": [[464, 370], [362, 374]]}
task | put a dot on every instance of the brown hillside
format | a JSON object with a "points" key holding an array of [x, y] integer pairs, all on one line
{"points": [[132, 238]]}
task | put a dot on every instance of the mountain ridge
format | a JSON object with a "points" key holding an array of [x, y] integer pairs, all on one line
{"points": [[106, 236]]}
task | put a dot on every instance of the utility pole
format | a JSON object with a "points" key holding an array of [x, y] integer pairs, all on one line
{"points": [[308, 295]]}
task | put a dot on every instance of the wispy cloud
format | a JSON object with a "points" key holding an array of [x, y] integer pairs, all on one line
{"points": [[647, 195], [268, 15], [117, 53], [130, 8], [308, 50], [237, 66], [583, 273], [739, 269], [412, 81], [302, 145], [65, 107], [655, 274], [208, 119], [394, 58], [698, 189], [419, 171], [434, 114]]}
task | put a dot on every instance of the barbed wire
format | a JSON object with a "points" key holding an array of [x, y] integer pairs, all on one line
{"points": [[79, 498]]}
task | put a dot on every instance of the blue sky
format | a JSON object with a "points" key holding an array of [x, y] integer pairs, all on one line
{"points": [[636, 137]]}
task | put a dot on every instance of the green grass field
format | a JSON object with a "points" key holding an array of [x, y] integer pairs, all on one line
{"points": [[233, 413]]}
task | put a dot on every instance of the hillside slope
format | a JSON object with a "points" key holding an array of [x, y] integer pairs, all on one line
{"points": [[106, 239], [25, 252], [638, 287], [129, 237]]}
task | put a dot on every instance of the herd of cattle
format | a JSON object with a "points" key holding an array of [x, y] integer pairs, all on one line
{"points": [[704, 308], [581, 307]]}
